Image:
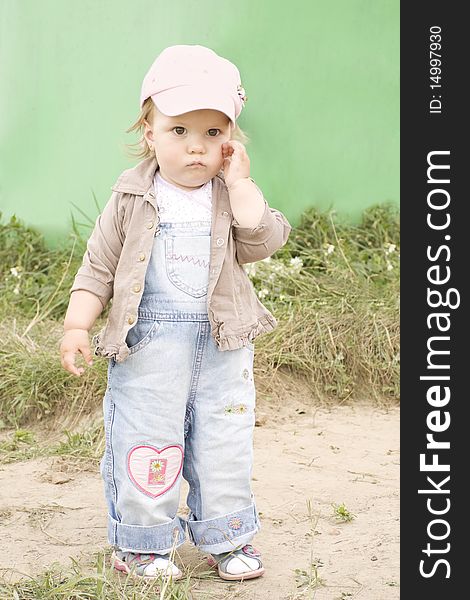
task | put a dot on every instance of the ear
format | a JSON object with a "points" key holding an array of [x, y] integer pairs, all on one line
{"points": [[148, 133]]}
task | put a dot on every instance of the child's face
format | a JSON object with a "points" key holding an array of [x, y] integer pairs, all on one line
{"points": [[193, 136]]}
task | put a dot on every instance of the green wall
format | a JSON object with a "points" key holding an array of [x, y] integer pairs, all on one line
{"points": [[322, 80]]}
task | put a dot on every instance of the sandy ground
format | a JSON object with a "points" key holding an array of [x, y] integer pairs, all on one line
{"points": [[306, 460]]}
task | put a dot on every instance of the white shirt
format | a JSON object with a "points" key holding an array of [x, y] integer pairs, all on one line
{"points": [[176, 204]]}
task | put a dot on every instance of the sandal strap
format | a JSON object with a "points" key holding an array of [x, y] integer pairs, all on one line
{"points": [[140, 561], [251, 551], [144, 559], [247, 550]]}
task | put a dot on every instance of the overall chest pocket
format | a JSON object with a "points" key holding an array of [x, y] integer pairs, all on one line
{"points": [[187, 263]]}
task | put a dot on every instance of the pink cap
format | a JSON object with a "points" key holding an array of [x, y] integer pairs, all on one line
{"points": [[184, 78]]}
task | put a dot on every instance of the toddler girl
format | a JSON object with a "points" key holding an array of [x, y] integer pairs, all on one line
{"points": [[168, 249]]}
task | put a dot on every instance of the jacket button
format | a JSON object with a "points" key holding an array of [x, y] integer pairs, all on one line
{"points": [[220, 242], [150, 225], [225, 213], [136, 288], [141, 256], [130, 319]]}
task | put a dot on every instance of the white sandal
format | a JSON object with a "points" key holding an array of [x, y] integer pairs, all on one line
{"points": [[240, 564], [145, 566]]}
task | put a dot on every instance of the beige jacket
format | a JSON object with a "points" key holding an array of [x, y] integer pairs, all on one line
{"points": [[119, 249]]}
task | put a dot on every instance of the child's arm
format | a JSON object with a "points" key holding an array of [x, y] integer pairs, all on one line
{"points": [[96, 275], [83, 310], [257, 229], [93, 285], [247, 202], [261, 237]]}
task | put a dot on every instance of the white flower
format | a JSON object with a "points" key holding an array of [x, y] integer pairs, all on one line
{"points": [[296, 263], [15, 271], [250, 269], [282, 297], [330, 249], [389, 248], [16, 290], [263, 293], [389, 266]]}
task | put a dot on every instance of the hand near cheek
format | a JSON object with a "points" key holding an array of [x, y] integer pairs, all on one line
{"points": [[236, 163]]}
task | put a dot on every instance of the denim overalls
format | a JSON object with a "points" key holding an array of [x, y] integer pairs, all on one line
{"points": [[178, 406]]}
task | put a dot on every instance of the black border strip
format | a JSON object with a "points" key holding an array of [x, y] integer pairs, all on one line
{"points": [[434, 398]]}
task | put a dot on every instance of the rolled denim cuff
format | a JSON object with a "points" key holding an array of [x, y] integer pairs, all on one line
{"points": [[142, 538], [224, 533]]}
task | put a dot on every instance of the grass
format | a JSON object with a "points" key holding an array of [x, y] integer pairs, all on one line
{"points": [[84, 448], [98, 581], [34, 386], [309, 579], [334, 289], [92, 578], [342, 514]]}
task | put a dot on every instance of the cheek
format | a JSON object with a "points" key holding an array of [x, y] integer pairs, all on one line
{"points": [[166, 150]]}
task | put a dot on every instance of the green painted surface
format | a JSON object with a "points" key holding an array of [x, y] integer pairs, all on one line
{"points": [[322, 80]]}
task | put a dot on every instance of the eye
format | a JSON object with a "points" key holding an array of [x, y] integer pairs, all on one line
{"points": [[217, 131], [175, 129]]}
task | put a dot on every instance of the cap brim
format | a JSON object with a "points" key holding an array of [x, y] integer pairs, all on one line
{"points": [[183, 99]]}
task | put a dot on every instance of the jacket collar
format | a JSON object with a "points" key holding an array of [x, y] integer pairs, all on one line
{"points": [[139, 179]]}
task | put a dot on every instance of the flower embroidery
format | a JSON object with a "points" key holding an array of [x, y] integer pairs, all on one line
{"points": [[156, 465], [236, 409], [157, 471], [235, 523], [241, 94]]}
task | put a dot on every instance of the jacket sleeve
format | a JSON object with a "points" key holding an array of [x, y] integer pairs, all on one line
{"points": [[269, 235], [101, 257]]}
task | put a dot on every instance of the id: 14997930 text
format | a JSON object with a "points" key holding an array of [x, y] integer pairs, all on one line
{"points": [[435, 71]]}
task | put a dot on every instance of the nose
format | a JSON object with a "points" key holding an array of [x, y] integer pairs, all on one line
{"points": [[195, 145]]}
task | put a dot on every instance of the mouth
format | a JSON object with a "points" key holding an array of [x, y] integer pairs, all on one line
{"points": [[196, 164]]}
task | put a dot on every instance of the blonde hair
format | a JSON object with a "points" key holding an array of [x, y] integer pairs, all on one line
{"points": [[148, 114]]}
